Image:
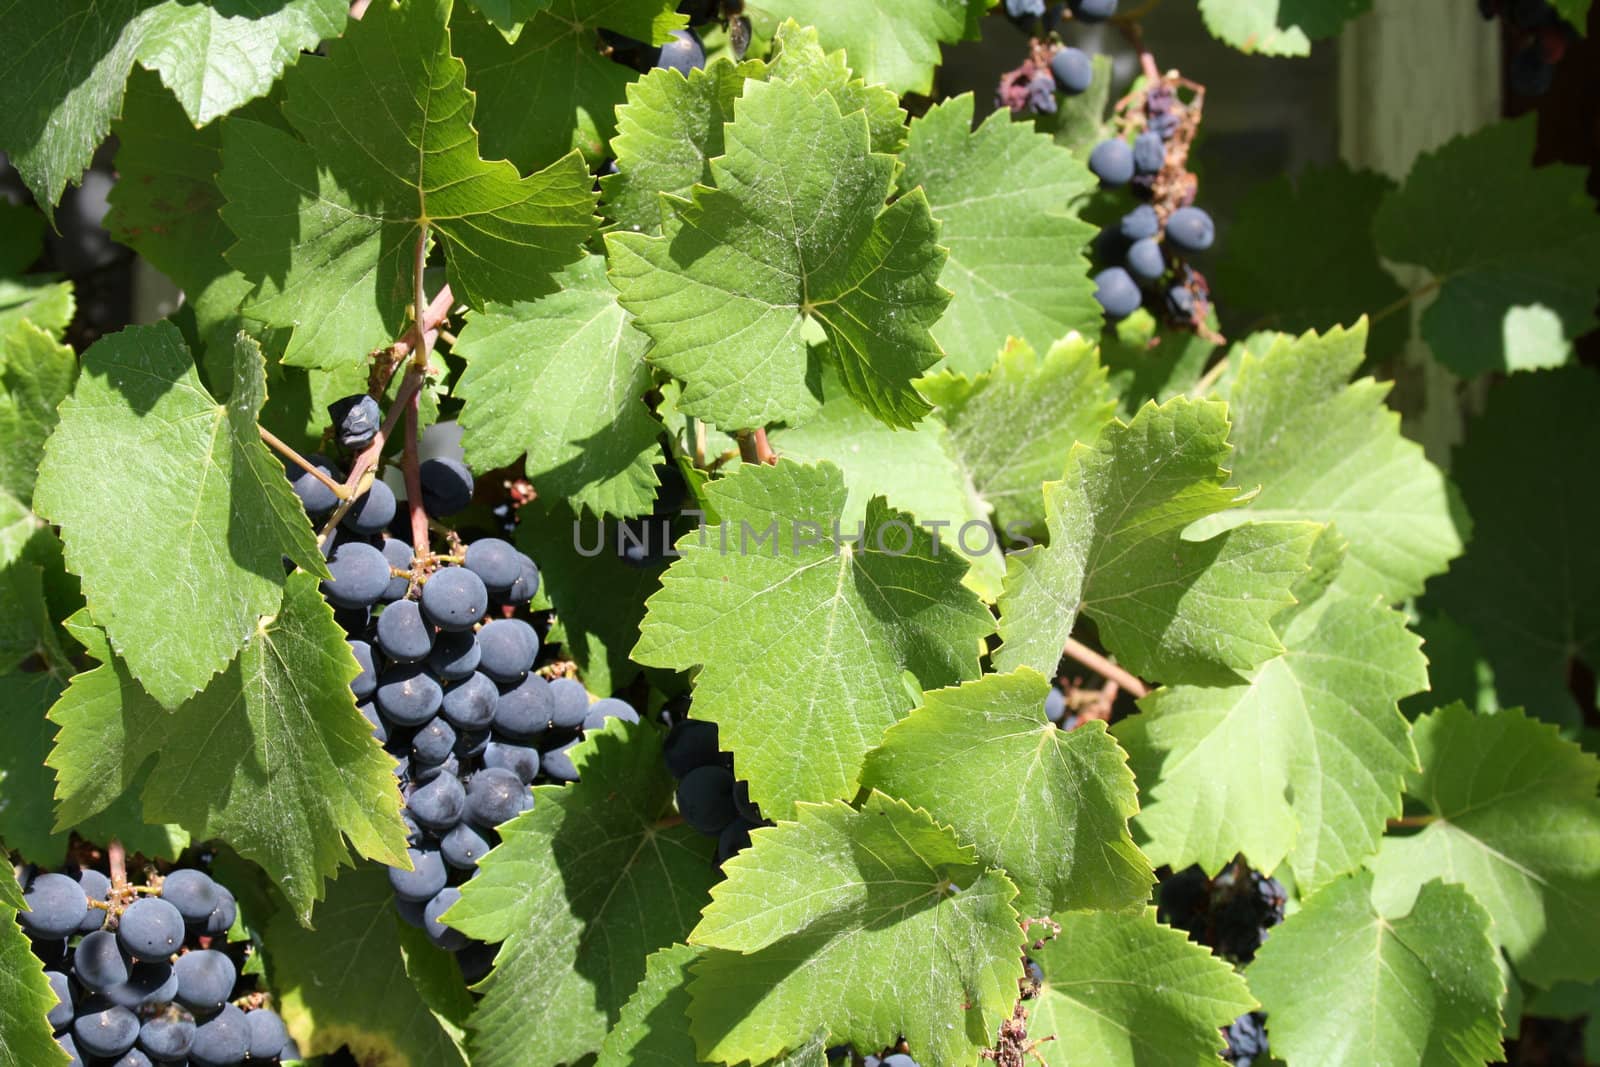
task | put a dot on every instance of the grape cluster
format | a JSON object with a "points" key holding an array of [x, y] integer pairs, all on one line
{"points": [[710, 799], [1031, 88], [1542, 38], [1247, 1040], [1231, 913], [1145, 257], [143, 975]]}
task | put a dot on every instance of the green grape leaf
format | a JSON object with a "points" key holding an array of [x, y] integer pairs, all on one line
{"points": [[646, 20], [798, 56], [552, 88], [78, 54], [581, 889], [804, 637], [1517, 822], [1013, 426], [1121, 990], [793, 247], [863, 924], [388, 149], [165, 499], [595, 448], [1290, 237], [1171, 609], [1278, 27], [1017, 267], [1079, 122], [1416, 989], [272, 757], [26, 785], [46, 303], [599, 599], [1574, 13], [36, 374], [1528, 589], [36, 589], [21, 237], [1327, 749], [890, 42], [654, 1028], [358, 979], [1146, 361], [25, 997], [1049, 806], [1516, 250], [914, 470], [1326, 449]]}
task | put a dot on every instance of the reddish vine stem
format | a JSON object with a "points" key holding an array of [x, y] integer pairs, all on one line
{"points": [[1147, 62], [117, 856], [1410, 822], [410, 464], [369, 456], [1096, 662], [754, 447]]}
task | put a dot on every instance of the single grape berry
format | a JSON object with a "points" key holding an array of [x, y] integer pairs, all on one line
{"points": [[705, 799], [524, 712], [691, 743], [205, 980], [569, 703], [1041, 99], [527, 583], [1180, 302], [60, 1016], [150, 929], [1093, 10], [557, 764], [167, 1037], [408, 695], [440, 804], [426, 877], [98, 962], [1073, 70], [464, 846], [1190, 229], [455, 655], [470, 705], [1055, 705], [365, 683], [1112, 162], [1139, 223], [221, 920], [372, 511], [96, 887], [267, 1033], [1144, 260], [495, 796], [520, 760], [107, 1033], [454, 598], [356, 420], [446, 486], [1149, 153], [222, 1041], [360, 576], [57, 906], [1117, 292], [1531, 74], [315, 496], [433, 742], [404, 635], [495, 561], [149, 982], [608, 708], [508, 648], [683, 53], [400, 557], [443, 936], [1025, 9]]}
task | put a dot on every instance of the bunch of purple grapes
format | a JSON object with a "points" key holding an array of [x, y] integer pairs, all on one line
{"points": [[1031, 88], [1543, 39], [1144, 258], [1230, 913], [144, 975], [710, 798]]}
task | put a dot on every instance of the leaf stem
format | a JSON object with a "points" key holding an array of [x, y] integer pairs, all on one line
{"points": [[1405, 301], [1096, 662], [1209, 378], [1411, 822], [419, 302], [288, 452]]}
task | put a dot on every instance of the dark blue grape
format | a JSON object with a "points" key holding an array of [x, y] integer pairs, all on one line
{"points": [[1042, 94], [1073, 70], [411, 911], [683, 53], [495, 796], [1180, 302], [1117, 292], [380, 729], [527, 583], [433, 743], [107, 1033], [57, 906], [691, 743], [520, 760], [464, 846], [372, 511], [495, 561], [132, 1058], [471, 743], [426, 877], [360, 575], [96, 887], [557, 764], [1055, 705], [221, 920], [70, 1047], [365, 683], [1025, 9], [99, 962], [423, 773], [318, 500], [608, 708], [472, 704], [1112, 162], [705, 799], [508, 648], [222, 1041], [404, 636], [455, 655], [267, 1033], [205, 980], [440, 804], [1149, 153], [167, 1037], [356, 420], [150, 929], [524, 712], [446, 486], [61, 1015], [1190, 229], [1140, 223], [353, 621], [734, 838], [400, 557], [1247, 1040], [747, 808], [900, 1059], [291, 1051], [1531, 74], [149, 982], [1093, 10], [1183, 900], [1144, 260], [454, 598], [476, 961], [569, 703], [407, 695], [192, 892], [443, 936]]}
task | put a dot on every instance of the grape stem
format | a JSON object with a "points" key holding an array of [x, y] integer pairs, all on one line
{"points": [[1405, 301], [419, 303], [369, 456], [753, 447], [1100, 664], [1410, 822], [410, 464], [1209, 378], [288, 452], [117, 857], [1129, 25]]}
